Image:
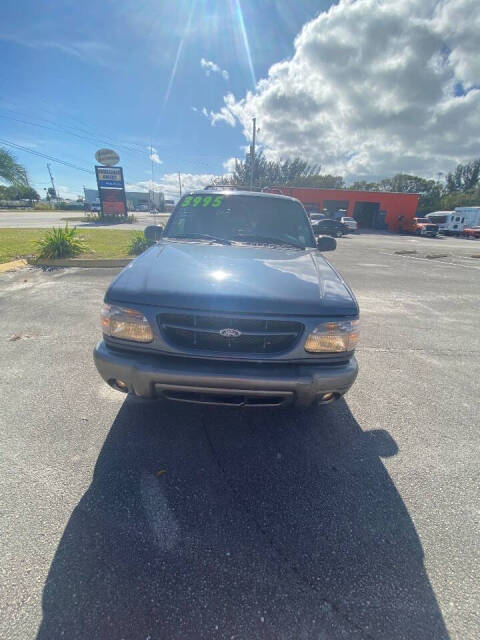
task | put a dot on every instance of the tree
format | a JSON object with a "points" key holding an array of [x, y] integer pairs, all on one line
{"points": [[18, 192], [24, 193], [460, 199], [363, 185], [464, 178], [270, 172], [10, 170], [430, 191], [320, 181]]}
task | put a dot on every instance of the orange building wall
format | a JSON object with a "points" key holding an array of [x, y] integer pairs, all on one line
{"points": [[395, 204]]}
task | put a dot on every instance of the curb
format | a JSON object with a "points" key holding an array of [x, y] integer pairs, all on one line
{"points": [[81, 262], [13, 265]]}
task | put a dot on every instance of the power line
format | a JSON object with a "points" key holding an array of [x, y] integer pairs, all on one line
{"points": [[107, 139], [44, 155], [67, 129]]}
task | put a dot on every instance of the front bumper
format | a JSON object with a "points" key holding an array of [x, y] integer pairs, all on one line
{"points": [[223, 382]]}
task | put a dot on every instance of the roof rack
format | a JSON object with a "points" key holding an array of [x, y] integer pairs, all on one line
{"points": [[222, 187]]}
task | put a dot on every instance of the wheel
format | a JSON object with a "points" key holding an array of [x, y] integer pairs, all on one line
{"points": [[338, 234]]}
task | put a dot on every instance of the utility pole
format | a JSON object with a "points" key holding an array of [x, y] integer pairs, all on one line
{"points": [[152, 196], [180, 184], [51, 180], [252, 153]]}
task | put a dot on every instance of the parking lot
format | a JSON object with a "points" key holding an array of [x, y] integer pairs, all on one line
{"points": [[133, 520]]}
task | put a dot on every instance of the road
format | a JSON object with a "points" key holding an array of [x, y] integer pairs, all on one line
{"points": [[124, 519], [46, 219]]}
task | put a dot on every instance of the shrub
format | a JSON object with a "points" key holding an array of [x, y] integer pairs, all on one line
{"points": [[61, 243], [43, 206], [139, 244], [68, 206]]}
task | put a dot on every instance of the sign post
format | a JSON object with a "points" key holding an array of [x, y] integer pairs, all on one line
{"points": [[110, 184]]}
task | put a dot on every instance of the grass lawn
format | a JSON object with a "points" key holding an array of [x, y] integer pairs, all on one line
{"points": [[102, 243]]}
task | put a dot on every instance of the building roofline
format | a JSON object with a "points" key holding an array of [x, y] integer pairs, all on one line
{"points": [[397, 193]]}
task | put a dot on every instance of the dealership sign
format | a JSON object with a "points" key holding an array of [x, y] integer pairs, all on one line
{"points": [[111, 191], [107, 157]]}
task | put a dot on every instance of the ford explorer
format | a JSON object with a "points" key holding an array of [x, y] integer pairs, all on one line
{"points": [[234, 305]]}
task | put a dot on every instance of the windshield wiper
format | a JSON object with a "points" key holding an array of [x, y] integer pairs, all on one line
{"points": [[257, 239], [198, 236]]}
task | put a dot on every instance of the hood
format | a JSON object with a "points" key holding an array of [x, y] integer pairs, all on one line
{"points": [[235, 278]]}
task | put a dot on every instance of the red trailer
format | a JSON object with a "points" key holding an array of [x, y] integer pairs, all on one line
{"points": [[371, 209]]}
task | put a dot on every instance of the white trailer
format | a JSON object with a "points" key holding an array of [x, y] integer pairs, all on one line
{"points": [[471, 215]]}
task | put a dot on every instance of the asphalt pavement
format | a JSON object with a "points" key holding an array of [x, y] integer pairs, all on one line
{"points": [[46, 219], [126, 519]]}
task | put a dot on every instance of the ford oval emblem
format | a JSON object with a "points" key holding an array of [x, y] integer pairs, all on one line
{"points": [[230, 333]]}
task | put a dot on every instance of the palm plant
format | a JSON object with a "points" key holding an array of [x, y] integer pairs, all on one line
{"points": [[61, 243], [10, 170]]}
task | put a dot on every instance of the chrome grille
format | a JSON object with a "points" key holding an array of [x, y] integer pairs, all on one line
{"points": [[202, 332]]}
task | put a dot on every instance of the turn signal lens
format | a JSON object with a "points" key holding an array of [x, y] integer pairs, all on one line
{"points": [[125, 324], [333, 337]]}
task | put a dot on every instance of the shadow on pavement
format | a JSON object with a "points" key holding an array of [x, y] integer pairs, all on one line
{"points": [[202, 523]]}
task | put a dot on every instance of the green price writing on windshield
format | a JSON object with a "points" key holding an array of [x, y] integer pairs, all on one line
{"points": [[204, 201]]}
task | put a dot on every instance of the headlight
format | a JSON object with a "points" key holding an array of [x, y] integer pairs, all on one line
{"points": [[125, 324], [333, 337]]}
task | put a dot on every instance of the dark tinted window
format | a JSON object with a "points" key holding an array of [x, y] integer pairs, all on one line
{"points": [[230, 216]]}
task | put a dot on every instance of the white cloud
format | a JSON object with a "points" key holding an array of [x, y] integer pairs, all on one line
{"points": [[229, 165], [153, 155], [97, 52], [373, 88], [212, 67], [226, 113], [65, 192], [168, 183]]}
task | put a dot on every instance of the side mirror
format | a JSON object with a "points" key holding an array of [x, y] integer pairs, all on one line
{"points": [[326, 243], [153, 232]]}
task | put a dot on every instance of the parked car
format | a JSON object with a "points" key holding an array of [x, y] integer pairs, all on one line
{"points": [[350, 223], [235, 305], [330, 227], [420, 227], [471, 232], [314, 217]]}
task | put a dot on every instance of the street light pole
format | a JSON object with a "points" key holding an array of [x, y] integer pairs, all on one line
{"points": [[252, 153]]}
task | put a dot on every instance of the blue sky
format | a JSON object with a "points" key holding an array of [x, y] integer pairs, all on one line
{"points": [[363, 88], [123, 74]]}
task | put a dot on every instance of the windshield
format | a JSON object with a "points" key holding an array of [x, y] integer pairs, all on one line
{"points": [[240, 218], [437, 219]]}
